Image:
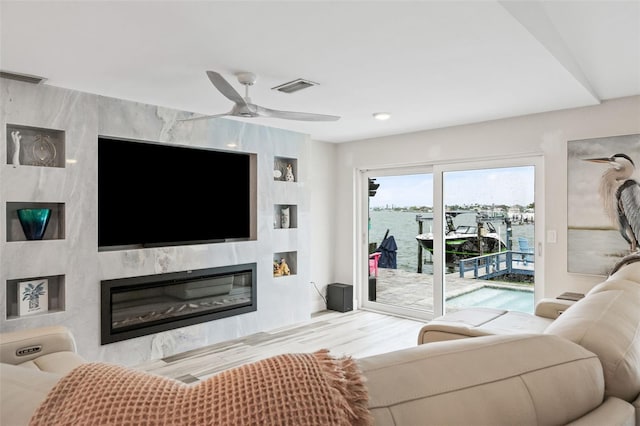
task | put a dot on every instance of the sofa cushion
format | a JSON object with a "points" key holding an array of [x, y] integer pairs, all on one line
{"points": [[57, 362], [613, 411], [491, 380], [607, 322], [474, 317], [21, 392], [474, 322], [514, 322]]}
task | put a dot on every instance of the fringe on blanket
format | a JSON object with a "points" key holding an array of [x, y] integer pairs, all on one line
{"points": [[346, 378]]}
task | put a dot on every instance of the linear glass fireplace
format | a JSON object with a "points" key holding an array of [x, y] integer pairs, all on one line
{"points": [[137, 306]]}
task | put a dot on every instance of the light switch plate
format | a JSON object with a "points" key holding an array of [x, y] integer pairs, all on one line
{"points": [[552, 236]]}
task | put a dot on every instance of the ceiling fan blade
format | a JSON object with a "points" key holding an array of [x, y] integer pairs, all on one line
{"points": [[205, 117], [292, 115], [225, 88]]}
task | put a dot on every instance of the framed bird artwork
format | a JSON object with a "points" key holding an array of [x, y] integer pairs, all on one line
{"points": [[603, 196]]}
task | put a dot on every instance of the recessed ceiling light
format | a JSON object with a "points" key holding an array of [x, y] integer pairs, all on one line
{"points": [[382, 116]]}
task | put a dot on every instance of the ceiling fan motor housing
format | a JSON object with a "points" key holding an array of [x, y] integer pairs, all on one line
{"points": [[246, 78]]}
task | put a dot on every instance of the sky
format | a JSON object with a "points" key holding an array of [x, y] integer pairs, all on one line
{"points": [[509, 185]]}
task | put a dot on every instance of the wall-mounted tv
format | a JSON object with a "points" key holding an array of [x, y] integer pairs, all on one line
{"points": [[156, 194]]}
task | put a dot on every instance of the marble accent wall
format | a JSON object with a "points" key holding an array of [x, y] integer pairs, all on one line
{"points": [[82, 116]]}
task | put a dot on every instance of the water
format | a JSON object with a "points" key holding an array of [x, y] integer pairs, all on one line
{"points": [[594, 251], [404, 228], [499, 298]]}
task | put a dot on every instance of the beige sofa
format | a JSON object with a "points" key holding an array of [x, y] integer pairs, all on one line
{"points": [[606, 322], [582, 368]]}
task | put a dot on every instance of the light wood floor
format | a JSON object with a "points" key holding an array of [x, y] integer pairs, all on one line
{"points": [[356, 333]]}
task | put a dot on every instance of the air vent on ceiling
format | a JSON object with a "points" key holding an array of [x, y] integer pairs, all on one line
{"points": [[294, 86], [34, 79]]}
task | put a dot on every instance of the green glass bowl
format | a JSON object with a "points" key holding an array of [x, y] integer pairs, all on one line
{"points": [[34, 222]]}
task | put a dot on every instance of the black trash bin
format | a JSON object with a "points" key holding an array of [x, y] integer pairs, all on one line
{"points": [[372, 288]]}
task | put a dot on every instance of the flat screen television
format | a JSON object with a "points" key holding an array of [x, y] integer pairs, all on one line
{"points": [[155, 194]]}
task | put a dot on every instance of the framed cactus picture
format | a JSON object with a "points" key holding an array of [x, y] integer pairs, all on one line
{"points": [[33, 297]]}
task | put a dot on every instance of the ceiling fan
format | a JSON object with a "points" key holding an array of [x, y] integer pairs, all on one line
{"points": [[243, 106]]}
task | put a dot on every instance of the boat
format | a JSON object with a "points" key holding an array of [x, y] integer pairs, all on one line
{"points": [[462, 241]]}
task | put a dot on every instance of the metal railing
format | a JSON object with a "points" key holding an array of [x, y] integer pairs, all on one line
{"points": [[497, 264]]}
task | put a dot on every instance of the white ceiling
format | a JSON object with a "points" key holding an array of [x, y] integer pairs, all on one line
{"points": [[430, 63]]}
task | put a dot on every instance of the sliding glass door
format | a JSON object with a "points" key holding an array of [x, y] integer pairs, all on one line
{"points": [[399, 270], [489, 237], [446, 237]]}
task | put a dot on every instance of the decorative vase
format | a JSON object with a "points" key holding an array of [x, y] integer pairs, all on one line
{"points": [[284, 218], [288, 176], [34, 222]]}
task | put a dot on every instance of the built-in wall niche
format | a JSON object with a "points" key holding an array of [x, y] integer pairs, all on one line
{"points": [[285, 263], [34, 146], [285, 216], [55, 229], [32, 296], [285, 169]]}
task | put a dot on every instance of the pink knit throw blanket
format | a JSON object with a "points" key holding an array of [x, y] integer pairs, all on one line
{"points": [[290, 389]]}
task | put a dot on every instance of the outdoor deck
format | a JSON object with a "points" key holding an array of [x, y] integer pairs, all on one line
{"points": [[415, 290]]}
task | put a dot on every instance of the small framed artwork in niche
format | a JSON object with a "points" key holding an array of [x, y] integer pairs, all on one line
{"points": [[54, 300], [285, 169], [33, 297]]}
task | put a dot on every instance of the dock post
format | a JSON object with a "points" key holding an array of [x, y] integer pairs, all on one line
{"points": [[418, 217], [480, 229], [509, 245]]}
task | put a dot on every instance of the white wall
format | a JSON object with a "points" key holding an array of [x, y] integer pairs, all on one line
{"points": [[324, 213], [82, 116], [540, 134]]}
